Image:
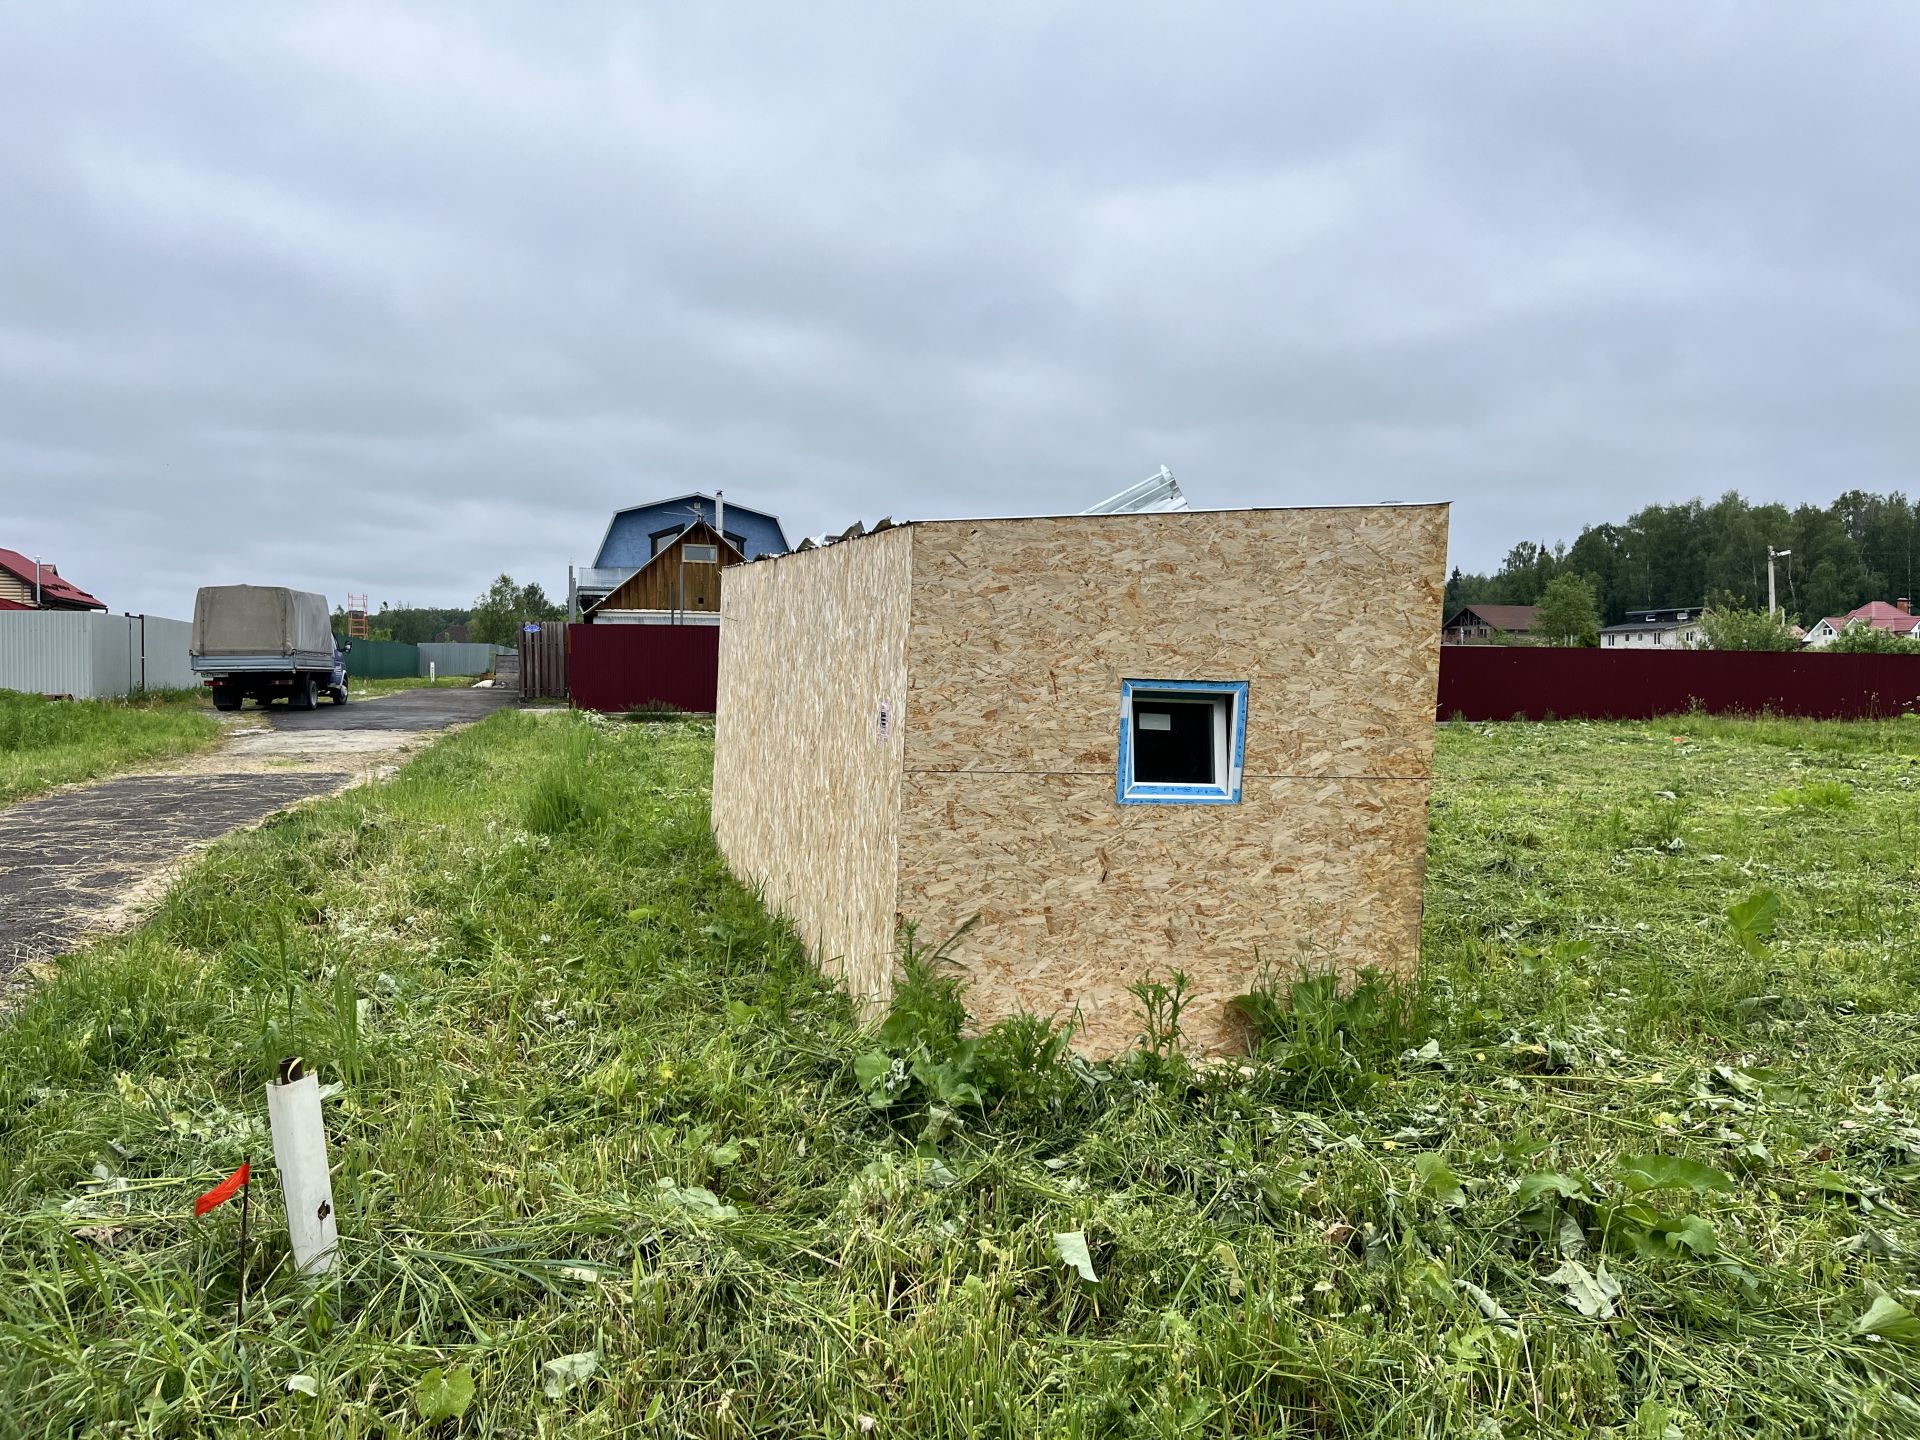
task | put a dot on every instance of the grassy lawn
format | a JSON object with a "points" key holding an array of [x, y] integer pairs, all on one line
{"points": [[44, 743], [359, 688], [613, 1160]]}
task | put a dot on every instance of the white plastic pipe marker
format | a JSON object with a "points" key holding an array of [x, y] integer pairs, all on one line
{"points": [[300, 1152]]}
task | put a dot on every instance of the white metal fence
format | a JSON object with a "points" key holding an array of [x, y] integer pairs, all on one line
{"points": [[456, 658], [91, 656]]}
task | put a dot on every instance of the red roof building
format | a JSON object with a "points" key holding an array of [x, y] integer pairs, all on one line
{"points": [[1896, 619], [17, 579]]}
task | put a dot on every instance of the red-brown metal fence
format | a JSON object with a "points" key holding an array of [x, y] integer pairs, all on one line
{"points": [[623, 667], [1497, 682]]}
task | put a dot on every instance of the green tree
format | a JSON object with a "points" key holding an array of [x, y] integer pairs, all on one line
{"points": [[1861, 547], [1730, 627], [1569, 615], [499, 614]]}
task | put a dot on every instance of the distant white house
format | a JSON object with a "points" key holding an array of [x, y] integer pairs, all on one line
{"points": [[1671, 629], [1896, 619]]}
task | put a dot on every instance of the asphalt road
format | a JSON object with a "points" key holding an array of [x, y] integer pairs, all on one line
{"points": [[71, 861], [435, 709]]}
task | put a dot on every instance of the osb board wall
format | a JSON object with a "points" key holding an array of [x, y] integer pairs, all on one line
{"points": [[1023, 630], [1021, 633], [806, 796], [1079, 897]]}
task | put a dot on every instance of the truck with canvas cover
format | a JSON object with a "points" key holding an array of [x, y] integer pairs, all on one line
{"points": [[267, 642]]}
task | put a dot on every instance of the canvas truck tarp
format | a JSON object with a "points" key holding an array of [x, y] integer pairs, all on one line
{"points": [[260, 620]]}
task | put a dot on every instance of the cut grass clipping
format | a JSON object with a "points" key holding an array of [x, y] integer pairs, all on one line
{"points": [[1637, 1157], [44, 743]]}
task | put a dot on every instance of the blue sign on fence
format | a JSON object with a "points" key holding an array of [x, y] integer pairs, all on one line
{"points": [[531, 627]]}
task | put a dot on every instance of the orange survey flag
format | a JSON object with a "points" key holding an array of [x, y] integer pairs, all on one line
{"points": [[224, 1191]]}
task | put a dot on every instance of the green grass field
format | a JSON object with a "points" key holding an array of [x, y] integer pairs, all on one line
{"points": [[1639, 1156], [44, 743]]}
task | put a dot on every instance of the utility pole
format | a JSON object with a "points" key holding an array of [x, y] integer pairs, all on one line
{"points": [[1773, 555], [36, 583]]}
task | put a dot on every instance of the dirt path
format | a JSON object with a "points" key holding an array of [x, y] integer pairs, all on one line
{"points": [[88, 859]]}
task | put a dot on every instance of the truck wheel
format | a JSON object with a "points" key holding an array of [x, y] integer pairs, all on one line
{"points": [[338, 694], [227, 699], [303, 697]]}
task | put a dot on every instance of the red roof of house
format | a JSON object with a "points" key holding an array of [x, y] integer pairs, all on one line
{"points": [[53, 589], [1881, 616]]}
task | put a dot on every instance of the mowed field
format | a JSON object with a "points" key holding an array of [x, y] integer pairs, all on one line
{"points": [[1639, 1155]]}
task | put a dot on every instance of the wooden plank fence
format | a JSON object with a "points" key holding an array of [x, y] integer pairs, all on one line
{"points": [[543, 663]]}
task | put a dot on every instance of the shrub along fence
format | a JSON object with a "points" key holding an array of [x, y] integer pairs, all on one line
{"points": [[623, 667], [1502, 682]]}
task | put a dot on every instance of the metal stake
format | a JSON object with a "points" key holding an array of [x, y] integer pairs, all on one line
{"points": [[246, 1201]]}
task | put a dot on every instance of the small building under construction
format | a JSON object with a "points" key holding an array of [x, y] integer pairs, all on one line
{"points": [[1128, 744]]}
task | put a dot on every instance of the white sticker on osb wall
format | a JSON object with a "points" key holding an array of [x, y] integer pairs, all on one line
{"points": [[883, 726]]}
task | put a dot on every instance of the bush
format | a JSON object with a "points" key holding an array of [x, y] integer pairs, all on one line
{"points": [[1866, 640], [1732, 628]]}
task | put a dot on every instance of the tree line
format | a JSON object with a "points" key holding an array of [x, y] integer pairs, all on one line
{"points": [[494, 618], [1861, 547]]}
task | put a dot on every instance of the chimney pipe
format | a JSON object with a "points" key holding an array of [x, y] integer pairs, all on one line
{"points": [[1904, 605]]}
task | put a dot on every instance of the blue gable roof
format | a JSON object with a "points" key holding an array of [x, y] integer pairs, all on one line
{"points": [[629, 538]]}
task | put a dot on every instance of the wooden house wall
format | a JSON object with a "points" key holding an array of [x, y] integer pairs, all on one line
{"points": [[1021, 633], [806, 792], [659, 587]]}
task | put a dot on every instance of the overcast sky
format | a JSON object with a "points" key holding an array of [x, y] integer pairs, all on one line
{"points": [[394, 298]]}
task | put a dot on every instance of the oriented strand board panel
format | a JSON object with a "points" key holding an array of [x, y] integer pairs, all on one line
{"points": [[806, 792], [1079, 897], [1022, 632], [999, 648]]}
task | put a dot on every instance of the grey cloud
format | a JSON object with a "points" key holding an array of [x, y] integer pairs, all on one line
{"points": [[385, 299]]}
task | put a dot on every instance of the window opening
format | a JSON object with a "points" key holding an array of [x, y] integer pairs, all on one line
{"points": [[1181, 741]]}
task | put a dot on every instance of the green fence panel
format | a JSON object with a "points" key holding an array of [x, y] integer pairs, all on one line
{"points": [[382, 659]]}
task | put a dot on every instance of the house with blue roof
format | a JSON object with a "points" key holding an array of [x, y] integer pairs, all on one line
{"points": [[640, 533]]}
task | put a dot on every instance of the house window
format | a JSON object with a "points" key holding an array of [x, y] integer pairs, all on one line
{"points": [[1182, 742], [701, 554]]}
